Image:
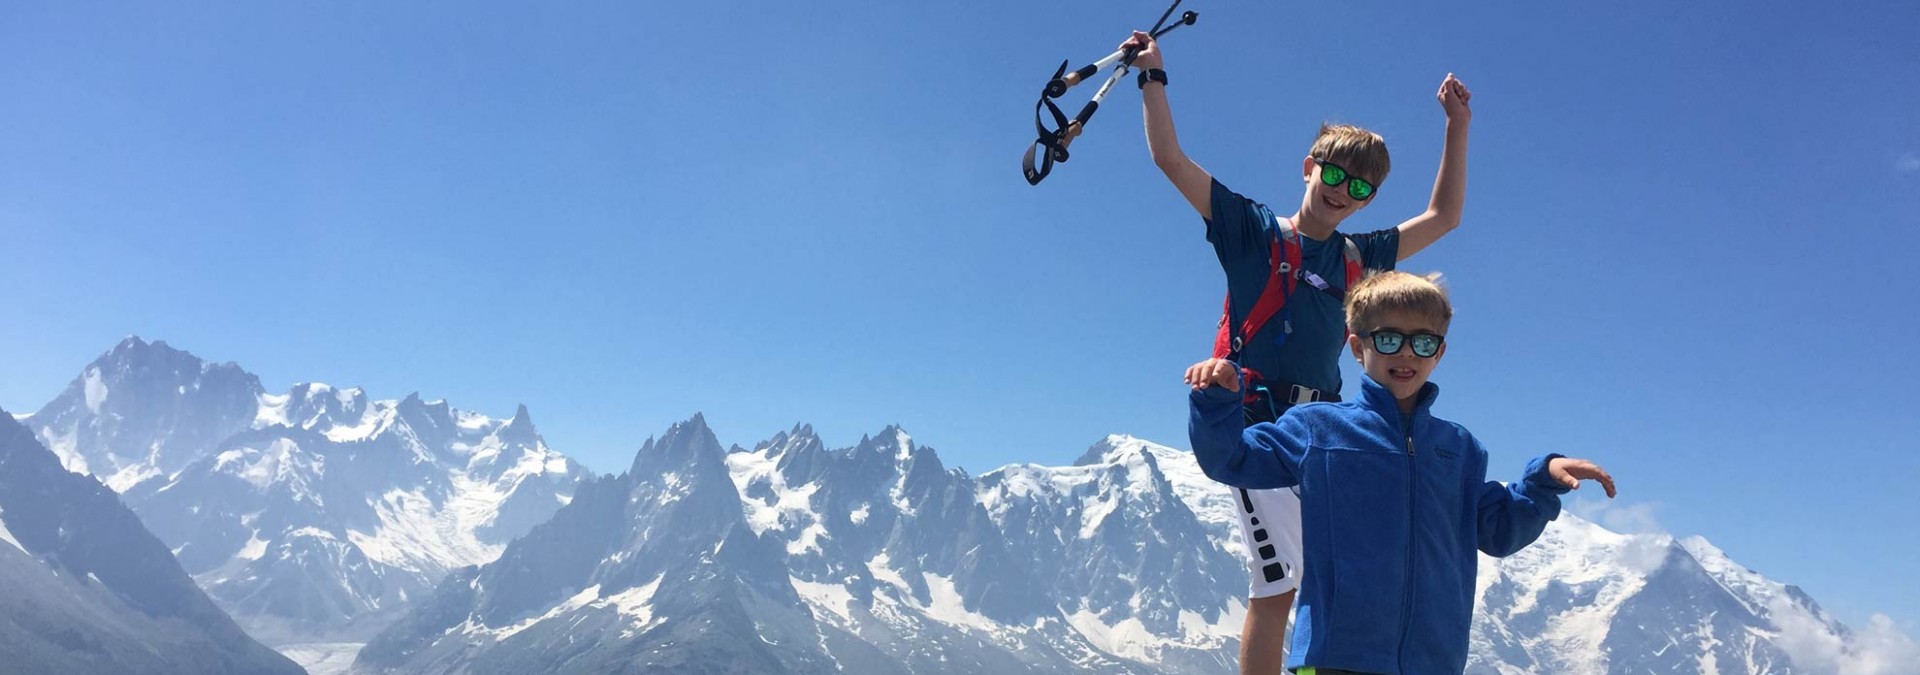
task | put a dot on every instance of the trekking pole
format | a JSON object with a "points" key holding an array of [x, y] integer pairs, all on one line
{"points": [[1055, 140]]}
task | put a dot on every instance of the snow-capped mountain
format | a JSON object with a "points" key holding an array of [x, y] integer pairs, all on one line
{"points": [[652, 571], [145, 410], [1586, 600], [85, 589], [313, 515], [879, 559], [889, 545]]}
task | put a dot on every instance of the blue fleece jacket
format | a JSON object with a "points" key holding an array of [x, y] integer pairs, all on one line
{"points": [[1392, 508]]}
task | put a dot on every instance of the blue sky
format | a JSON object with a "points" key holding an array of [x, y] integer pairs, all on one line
{"points": [[1688, 248]]}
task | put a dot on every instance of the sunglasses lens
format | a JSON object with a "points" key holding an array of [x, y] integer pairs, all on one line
{"points": [[1387, 343], [1332, 175], [1425, 346], [1359, 189]]}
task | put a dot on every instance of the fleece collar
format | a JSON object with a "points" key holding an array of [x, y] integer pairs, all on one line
{"points": [[1377, 397]]}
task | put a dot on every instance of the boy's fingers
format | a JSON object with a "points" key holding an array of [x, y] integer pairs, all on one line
{"points": [[1606, 480], [1591, 471]]}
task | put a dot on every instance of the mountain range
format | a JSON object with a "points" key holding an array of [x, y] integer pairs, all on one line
{"points": [[315, 515], [447, 541]]}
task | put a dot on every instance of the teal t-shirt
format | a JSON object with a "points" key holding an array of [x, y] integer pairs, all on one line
{"points": [[1242, 231]]}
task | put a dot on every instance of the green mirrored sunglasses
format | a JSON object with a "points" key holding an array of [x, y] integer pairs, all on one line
{"points": [[1333, 175]]}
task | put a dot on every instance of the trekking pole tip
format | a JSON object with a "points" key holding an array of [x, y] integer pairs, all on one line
{"points": [[1189, 17]]}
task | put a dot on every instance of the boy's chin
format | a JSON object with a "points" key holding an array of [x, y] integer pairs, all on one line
{"points": [[1399, 387], [1330, 215]]}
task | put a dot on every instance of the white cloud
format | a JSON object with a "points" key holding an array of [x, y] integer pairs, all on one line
{"points": [[1908, 162], [1878, 649], [1621, 517]]}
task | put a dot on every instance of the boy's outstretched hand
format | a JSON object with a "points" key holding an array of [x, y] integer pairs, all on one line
{"points": [[1453, 97], [1571, 471], [1215, 371]]}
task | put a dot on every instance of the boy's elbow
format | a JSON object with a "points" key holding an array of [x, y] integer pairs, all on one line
{"points": [[1507, 541], [1215, 471], [1167, 156], [1218, 458], [1213, 460], [1503, 547]]}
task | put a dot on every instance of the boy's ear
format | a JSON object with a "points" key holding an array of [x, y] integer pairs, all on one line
{"points": [[1306, 168], [1354, 343]]}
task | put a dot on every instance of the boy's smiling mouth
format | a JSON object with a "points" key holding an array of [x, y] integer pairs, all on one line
{"points": [[1401, 373], [1332, 204]]}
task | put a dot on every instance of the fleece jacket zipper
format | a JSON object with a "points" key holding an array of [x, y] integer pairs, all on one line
{"points": [[1406, 605]]}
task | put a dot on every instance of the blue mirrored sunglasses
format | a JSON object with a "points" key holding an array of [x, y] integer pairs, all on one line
{"points": [[1425, 345]]}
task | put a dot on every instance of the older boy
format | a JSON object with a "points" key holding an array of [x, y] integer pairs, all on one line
{"points": [[1285, 279], [1395, 501]]}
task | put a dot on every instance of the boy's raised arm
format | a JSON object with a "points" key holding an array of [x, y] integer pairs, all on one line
{"points": [[1193, 182], [1265, 455], [1450, 185]]}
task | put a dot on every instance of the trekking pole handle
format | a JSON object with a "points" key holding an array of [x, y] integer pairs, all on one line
{"points": [[1091, 69], [1074, 127], [1079, 122], [1087, 71]]}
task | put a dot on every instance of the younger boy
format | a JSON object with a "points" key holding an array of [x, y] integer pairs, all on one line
{"points": [[1394, 501]]}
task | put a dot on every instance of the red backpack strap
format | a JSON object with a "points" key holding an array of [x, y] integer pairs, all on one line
{"points": [[1283, 258], [1355, 269], [1223, 340]]}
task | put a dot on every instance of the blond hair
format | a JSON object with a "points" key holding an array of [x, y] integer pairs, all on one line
{"points": [[1361, 152], [1381, 293]]}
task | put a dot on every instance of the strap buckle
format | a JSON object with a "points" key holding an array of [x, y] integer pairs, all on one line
{"points": [[1299, 395]]}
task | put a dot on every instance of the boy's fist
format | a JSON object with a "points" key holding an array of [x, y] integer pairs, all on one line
{"points": [[1214, 371], [1149, 54], [1569, 472], [1453, 97]]}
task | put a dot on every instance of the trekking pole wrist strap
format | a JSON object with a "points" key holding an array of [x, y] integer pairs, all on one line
{"points": [[1152, 75]]}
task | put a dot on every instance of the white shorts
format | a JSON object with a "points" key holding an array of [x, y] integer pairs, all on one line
{"points": [[1270, 526]]}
